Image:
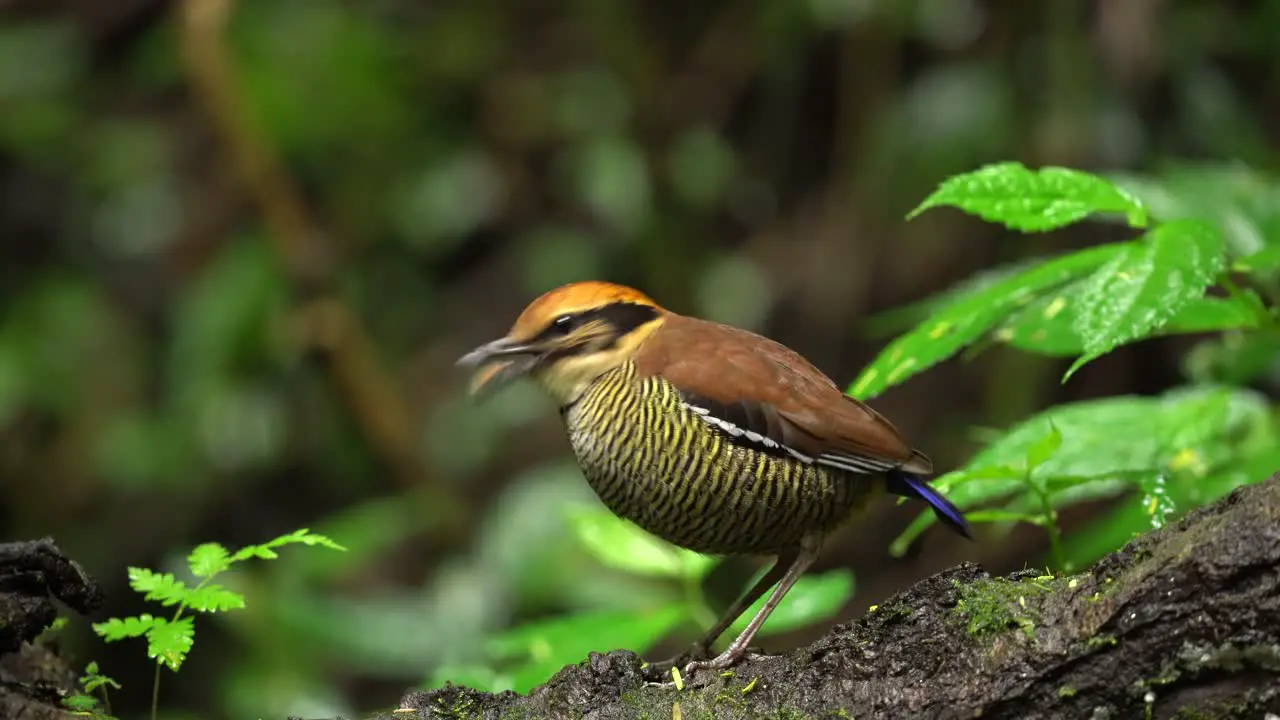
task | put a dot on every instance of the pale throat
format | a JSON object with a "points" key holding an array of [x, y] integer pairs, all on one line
{"points": [[570, 378]]}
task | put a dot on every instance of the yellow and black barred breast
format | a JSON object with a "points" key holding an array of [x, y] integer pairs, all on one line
{"points": [[656, 462]]}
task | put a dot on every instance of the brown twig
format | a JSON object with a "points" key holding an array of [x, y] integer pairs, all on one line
{"points": [[329, 326]]}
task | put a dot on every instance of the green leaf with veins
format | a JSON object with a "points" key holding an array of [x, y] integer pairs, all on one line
{"points": [[1141, 289], [1028, 200]]}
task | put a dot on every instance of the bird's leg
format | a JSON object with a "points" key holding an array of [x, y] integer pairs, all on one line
{"points": [[702, 648], [779, 570], [800, 561]]}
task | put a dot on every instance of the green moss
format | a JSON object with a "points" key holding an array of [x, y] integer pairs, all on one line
{"points": [[462, 708], [891, 612], [990, 607], [1066, 691], [1100, 641]]}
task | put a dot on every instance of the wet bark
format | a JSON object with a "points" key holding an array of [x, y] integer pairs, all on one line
{"points": [[33, 680]]}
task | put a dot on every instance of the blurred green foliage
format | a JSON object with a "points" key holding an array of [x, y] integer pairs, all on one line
{"points": [[162, 359]]}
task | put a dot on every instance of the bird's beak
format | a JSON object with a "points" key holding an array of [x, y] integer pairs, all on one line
{"points": [[498, 364]]}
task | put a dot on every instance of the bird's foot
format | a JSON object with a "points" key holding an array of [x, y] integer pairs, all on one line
{"points": [[725, 660], [660, 670]]}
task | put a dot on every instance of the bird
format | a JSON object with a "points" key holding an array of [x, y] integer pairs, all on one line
{"points": [[710, 437]]}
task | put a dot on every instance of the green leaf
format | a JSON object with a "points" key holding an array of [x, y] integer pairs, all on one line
{"points": [[814, 598], [1047, 326], [902, 317], [550, 644], [1263, 262], [80, 703], [208, 559], [1033, 200], [622, 545], [1065, 492], [959, 324], [161, 587], [304, 536], [93, 679], [1209, 314], [262, 552], [297, 537], [170, 641], [214, 598], [1141, 289], [120, 628], [1044, 448]]}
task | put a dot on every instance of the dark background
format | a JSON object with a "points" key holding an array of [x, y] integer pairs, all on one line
{"points": [[236, 268]]}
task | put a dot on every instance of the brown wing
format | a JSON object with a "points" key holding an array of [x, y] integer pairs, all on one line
{"points": [[759, 391]]}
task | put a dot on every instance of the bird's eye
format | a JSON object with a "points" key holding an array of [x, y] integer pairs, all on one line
{"points": [[563, 324]]}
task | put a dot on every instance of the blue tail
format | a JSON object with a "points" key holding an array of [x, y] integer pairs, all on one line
{"points": [[913, 486]]}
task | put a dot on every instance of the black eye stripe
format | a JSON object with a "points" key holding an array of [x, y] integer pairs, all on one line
{"points": [[621, 317]]}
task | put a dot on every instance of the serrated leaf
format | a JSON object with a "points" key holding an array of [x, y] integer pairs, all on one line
{"points": [[1141, 289], [168, 642], [208, 559], [214, 598], [957, 325], [304, 536], [814, 598], [128, 627], [301, 536], [94, 681], [262, 552], [622, 545], [161, 587], [1028, 200]]}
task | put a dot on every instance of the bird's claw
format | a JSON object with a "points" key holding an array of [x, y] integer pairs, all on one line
{"points": [[723, 661]]}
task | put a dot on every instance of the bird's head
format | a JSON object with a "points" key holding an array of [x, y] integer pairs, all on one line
{"points": [[567, 338]]}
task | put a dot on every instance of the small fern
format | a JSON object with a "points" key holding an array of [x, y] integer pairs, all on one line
{"points": [[170, 639]]}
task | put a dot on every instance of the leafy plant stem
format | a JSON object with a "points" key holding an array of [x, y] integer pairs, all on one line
{"points": [[1050, 524], [177, 615], [155, 693]]}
